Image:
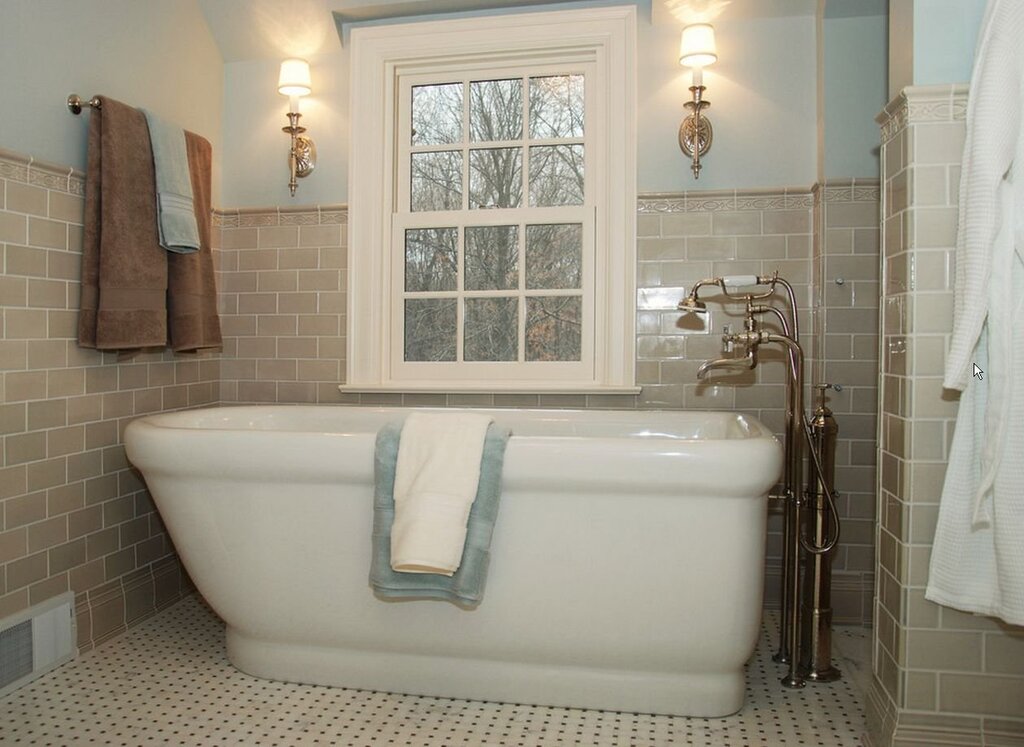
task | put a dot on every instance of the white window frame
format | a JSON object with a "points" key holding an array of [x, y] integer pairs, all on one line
{"points": [[604, 38]]}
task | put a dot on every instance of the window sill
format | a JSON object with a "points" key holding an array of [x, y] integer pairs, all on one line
{"points": [[626, 391]]}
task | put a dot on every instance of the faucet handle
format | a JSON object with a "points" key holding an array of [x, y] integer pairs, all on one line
{"points": [[727, 343], [825, 387]]}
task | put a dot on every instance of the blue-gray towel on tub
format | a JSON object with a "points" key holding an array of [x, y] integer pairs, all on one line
{"points": [[176, 218], [466, 587]]}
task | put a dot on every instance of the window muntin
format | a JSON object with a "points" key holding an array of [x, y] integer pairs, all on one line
{"points": [[498, 275]]}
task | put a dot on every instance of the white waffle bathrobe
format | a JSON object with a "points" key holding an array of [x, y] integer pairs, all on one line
{"points": [[977, 560]]}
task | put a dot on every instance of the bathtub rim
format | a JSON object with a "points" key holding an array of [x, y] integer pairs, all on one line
{"points": [[752, 427]]}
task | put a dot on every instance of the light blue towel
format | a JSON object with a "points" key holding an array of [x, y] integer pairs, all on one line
{"points": [[176, 216], [466, 587]]}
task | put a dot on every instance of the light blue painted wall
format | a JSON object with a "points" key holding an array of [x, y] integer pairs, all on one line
{"points": [[762, 94], [763, 106], [157, 54], [855, 90], [945, 34], [160, 54]]}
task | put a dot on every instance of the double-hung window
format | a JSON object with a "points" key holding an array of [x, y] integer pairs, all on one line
{"points": [[491, 204]]}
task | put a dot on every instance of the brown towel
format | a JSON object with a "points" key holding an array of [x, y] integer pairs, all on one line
{"points": [[124, 269], [192, 292], [134, 293]]}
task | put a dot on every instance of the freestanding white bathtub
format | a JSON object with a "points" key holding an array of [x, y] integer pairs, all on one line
{"points": [[626, 569]]}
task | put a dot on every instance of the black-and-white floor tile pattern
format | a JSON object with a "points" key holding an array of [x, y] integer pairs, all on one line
{"points": [[168, 682]]}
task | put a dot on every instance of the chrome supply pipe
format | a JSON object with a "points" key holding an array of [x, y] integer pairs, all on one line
{"points": [[816, 645], [790, 488], [794, 678]]}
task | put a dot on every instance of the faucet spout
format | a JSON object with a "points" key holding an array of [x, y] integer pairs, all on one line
{"points": [[745, 363]]}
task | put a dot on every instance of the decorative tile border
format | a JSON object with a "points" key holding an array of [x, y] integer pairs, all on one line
{"points": [[919, 104], [851, 190], [318, 215], [848, 190], [788, 198], [25, 169]]}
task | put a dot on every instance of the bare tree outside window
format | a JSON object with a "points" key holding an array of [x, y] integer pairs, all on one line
{"points": [[430, 329], [556, 175], [495, 110], [437, 114], [554, 255], [495, 177], [431, 259], [492, 257], [556, 106], [437, 180], [553, 328], [492, 329], [501, 140]]}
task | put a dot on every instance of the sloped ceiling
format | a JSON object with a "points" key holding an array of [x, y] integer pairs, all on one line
{"points": [[270, 29]]}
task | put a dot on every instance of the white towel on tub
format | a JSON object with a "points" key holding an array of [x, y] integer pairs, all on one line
{"points": [[436, 479]]}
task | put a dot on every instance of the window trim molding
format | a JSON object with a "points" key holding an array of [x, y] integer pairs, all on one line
{"points": [[379, 55]]}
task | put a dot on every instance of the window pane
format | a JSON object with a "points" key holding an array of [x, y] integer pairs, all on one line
{"points": [[492, 257], [554, 255], [496, 110], [492, 329], [556, 175], [431, 259], [437, 114], [430, 329], [553, 328], [437, 180], [495, 177], [556, 106]]}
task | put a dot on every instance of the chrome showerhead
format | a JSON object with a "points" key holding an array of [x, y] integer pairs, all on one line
{"points": [[691, 304]]}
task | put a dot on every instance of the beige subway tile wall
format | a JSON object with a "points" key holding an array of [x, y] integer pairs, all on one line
{"points": [[281, 284], [73, 515], [939, 674], [846, 354]]}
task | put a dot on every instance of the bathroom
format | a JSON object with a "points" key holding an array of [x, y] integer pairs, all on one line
{"points": [[838, 136]]}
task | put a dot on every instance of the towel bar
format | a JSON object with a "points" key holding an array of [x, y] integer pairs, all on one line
{"points": [[75, 103]]}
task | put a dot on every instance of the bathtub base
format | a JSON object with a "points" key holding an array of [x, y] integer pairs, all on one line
{"points": [[707, 695]]}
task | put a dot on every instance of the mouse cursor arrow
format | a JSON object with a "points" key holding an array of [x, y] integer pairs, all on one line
{"points": [[979, 373]]}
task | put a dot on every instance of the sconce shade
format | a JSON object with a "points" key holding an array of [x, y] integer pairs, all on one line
{"points": [[294, 79], [697, 45]]}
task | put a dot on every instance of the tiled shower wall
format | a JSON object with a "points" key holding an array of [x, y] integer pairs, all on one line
{"points": [[940, 675], [73, 516], [282, 282], [845, 287]]}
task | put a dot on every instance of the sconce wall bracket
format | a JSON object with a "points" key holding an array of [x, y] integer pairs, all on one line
{"points": [[695, 131], [302, 155]]}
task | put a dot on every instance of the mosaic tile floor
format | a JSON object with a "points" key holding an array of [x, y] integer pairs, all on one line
{"points": [[168, 682]]}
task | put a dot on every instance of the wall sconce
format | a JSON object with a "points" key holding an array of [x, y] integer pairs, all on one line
{"points": [[697, 50], [294, 82]]}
